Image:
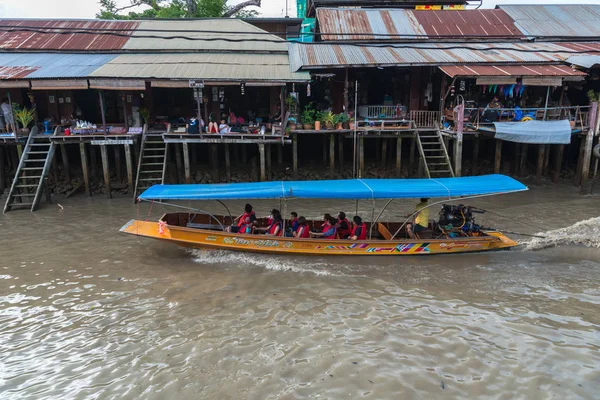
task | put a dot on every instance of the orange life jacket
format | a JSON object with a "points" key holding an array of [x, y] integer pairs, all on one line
{"points": [[344, 233], [242, 220], [362, 235], [303, 231], [273, 228]]}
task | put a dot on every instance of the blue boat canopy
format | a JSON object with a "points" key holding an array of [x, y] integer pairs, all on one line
{"points": [[349, 189]]}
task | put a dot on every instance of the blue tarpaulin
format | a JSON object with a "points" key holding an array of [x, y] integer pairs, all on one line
{"points": [[349, 189], [537, 132]]}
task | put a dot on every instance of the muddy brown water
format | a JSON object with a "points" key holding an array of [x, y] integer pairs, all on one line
{"points": [[87, 313]]}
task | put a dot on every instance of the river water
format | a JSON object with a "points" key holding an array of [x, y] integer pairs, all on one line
{"points": [[87, 313]]}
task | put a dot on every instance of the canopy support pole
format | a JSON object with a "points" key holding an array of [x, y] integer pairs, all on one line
{"points": [[355, 127], [372, 219], [378, 216]]}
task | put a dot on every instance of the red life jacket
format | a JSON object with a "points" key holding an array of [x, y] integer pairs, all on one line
{"points": [[344, 233], [325, 226], [273, 228], [334, 236], [303, 231], [362, 235], [242, 220]]}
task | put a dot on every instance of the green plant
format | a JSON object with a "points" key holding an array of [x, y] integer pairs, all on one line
{"points": [[25, 116], [290, 101], [328, 118], [145, 114], [593, 96], [308, 115], [341, 118]]}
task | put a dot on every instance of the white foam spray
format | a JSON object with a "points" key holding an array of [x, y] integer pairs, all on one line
{"points": [[273, 263], [586, 233]]}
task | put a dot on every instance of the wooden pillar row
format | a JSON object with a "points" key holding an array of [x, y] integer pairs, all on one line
{"points": [[105, 170], [84, 169]]}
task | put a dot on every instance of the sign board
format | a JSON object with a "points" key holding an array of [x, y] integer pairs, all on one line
{"points": [[110, 142], [196, 84]]}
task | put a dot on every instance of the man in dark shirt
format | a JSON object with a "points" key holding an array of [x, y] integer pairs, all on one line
{"points": [[193, 126]]}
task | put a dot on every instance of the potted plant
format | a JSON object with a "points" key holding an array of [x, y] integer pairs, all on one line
{"points": [[290, 101], [341, 121], [145, 114], [25, 116], [319, 120], [292, 123], [351, 121], [308, 117], [329, 120]]}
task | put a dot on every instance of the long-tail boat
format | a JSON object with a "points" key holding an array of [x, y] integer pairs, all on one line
{"points": [[199, 229]]}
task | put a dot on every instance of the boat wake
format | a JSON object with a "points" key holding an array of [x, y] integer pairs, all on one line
{"points": [[586, 233], [273, 263]]}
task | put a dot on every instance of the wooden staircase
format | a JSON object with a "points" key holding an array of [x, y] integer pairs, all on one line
{"points": [[30, 179], [434, 154], [152, 163]]}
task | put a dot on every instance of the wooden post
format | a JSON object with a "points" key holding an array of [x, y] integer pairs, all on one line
{"points": [[104, 155], [118, 162], [19, 153], [475, 155], [540, 164], [589, 142], [65, 161], [546, 159], [93, 162], [268, 159], [384, 146], [361, 156], [125, 119], [398, 156], [193, 156], [261, 152], [558, 157], [214, 161], [341, 153], [331, 153], [84, 169], [186, 162], [324, 140], [178, 161], [279, 155], [295, 154], [580, 162], [129, 166], [458, 143], [101, 99], [498, 156], [517, 157], [523, 162], [2, 170], [411, 155], [244, 154], [227, 163]]}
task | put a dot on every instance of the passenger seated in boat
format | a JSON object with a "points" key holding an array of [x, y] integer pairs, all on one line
{"points": [[292, 223], [303, 230], [343, 226], [331, 230], [359, 229], [239, 221], [275, 227], [325, 224], [247, 227], [420, 221]]}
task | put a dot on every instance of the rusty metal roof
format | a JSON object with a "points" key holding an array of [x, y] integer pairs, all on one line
{"points": [[510, 70], [556, 20], [480, 23], [58, 35], [15, 72], [324, 55], [400, 24]]}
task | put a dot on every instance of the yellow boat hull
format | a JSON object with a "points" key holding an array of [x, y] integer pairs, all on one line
{"points": [[209, 239]]}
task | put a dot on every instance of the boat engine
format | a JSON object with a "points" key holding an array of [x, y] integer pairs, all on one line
{"points": [[459, 217]]}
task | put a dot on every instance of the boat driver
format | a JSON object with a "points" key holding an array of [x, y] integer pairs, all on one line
{"points": [[421, 219]]}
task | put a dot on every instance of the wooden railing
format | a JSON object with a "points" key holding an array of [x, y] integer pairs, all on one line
{"points": [[577, 115], [381, 112], [425, 119]]}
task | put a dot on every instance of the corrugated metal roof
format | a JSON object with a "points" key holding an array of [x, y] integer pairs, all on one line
{"points": [[53, 39], [377, 24], [467, 23], [238, 36], [52, 65], [361, 24], [556, 20], [584, 61], [323, 55], [241, 67], [15, 72], [510, 70]]}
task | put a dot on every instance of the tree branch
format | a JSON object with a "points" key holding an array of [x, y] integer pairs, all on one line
{"points": [[238, 7]]}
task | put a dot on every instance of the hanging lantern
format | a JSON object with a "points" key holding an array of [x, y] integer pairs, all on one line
{"points": [[308, 90], [243, 88]]}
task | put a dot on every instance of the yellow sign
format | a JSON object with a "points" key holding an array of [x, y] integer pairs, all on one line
{"points": [[438, 8]]}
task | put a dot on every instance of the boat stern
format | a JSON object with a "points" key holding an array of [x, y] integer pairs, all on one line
{"points": [[503, 241]]}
